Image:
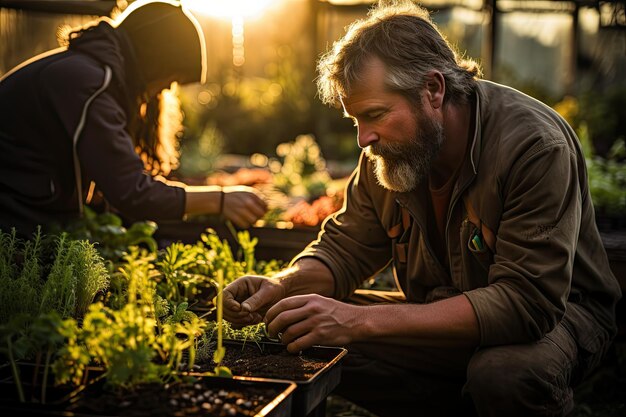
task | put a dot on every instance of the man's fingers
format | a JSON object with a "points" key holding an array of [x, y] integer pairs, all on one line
{"points": [[246, 299], [295, 329], [301, 343], [229, 302], [258, 300], [289, 303]]}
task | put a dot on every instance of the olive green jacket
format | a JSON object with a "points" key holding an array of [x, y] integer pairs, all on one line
{"points": [[525, 180]]}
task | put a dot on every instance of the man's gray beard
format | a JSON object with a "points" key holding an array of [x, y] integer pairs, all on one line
{"points": [[401, 167]]}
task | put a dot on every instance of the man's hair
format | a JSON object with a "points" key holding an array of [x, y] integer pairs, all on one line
{"points": [[403, 36]]}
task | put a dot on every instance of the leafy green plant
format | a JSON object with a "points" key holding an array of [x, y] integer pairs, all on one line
{"points": [[27, 337], [213, 259], [15, 346], [602, 132], [20, 283], [75, 277], [112, 238], [46, 338], [124, 341], [220, 257], [48, 273], [182, 338], [43, 280], [299, 169], [73, 357], [145, 331], [182, 272], [188, 273], [607, 176], [180, 314], [252, 333], [135, 343]]}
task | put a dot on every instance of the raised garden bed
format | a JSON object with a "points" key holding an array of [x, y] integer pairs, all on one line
{"points": [[281, 243]]}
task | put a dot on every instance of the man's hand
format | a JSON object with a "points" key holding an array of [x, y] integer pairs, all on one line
{"points": [[247, 299], [307, 320]]}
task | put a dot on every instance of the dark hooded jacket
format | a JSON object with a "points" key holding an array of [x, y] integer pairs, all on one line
{"points": [[64, 122]]}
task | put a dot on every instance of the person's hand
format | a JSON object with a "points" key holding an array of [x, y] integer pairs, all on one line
{"points": [[302, 321], [243, 205], [246, 299]]}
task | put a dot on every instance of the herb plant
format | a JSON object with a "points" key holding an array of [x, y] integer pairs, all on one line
{"points": [[112, 237]]}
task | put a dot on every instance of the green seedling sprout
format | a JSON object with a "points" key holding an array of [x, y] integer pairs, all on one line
{"points": [[220, 351], [267, 334]]}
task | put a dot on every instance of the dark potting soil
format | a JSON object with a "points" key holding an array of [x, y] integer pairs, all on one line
{"points": [[267, 361], [176, 399]]}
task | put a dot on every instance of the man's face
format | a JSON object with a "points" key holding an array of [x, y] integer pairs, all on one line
{"points": [[399, 137]]}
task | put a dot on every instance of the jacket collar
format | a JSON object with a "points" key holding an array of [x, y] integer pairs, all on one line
{"points": [[475, 147]]}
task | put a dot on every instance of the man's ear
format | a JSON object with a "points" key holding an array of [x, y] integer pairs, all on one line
{"points": [[435, 88]]}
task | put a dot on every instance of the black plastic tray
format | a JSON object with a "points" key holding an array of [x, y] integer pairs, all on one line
{"points": [[31, 377], [312, 392], [278, 406]]}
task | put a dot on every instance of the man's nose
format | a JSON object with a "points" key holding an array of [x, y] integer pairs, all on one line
{"points": [[366, 136]]}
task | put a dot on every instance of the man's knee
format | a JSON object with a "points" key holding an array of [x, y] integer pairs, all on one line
{"points": [[524, 380]]}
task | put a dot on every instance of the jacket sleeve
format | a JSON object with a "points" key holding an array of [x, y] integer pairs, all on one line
{"points": [[352, 243], [530, 279], [107, 157]]}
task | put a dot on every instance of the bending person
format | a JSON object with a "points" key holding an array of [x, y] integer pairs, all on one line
{"points": [[86, 118]]}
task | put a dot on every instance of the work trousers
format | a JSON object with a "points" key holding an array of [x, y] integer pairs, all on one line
{"points": [[533, 379]]}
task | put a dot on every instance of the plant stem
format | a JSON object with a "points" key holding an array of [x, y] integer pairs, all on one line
{"points": [[220, 312], [16, 372], [44, 383], [232, 230]]}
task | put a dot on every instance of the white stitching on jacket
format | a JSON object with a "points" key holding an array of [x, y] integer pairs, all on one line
{"points": [[108, 74]]}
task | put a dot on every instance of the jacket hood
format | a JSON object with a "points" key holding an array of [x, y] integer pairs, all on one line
{"points": [[110, 46]]}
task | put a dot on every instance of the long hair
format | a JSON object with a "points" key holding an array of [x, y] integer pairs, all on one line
{"points": [[156, 130], [403, 36]]}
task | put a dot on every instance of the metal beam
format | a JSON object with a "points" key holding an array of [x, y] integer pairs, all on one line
{"points": [[79, 7]]}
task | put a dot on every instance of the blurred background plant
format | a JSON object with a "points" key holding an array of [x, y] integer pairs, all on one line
{"points": [[600, 123], [300, 169]]}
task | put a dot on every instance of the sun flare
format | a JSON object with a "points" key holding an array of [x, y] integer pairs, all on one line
{"points": [[228, 8]]}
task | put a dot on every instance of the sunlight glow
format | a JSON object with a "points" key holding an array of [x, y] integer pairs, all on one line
{"points": [[228, 9], [548, 29]]}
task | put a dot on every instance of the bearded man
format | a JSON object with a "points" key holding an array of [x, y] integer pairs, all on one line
{"points": [[477, 195]]}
